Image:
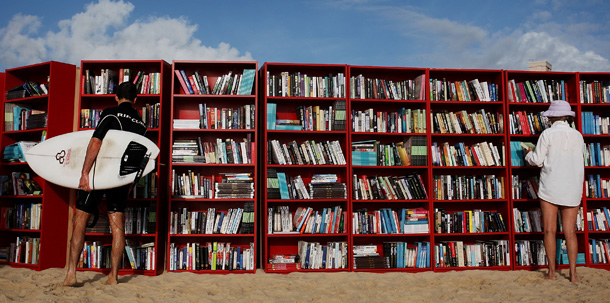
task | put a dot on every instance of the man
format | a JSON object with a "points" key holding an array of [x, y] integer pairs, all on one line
{"points": [[122, 117]]}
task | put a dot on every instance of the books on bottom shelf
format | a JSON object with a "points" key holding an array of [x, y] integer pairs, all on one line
{"points": [[530, 253], [599, 251], [284, 262], [395, 255], [478, 254], [313, 255], [139, 256], [211, 256], [561, 254], [24, 250]]}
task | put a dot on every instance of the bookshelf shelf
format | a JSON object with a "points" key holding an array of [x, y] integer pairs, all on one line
{"points": [[43, 247], [222, 111], [152, 78]]}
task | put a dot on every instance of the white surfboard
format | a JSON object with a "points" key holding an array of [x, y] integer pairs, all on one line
{"points": [[59, 159]]}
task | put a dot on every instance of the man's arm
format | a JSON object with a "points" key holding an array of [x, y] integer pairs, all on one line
{"points": [[92, 150]]}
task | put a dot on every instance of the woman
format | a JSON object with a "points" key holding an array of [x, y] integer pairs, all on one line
{"points": [[560, 153]]}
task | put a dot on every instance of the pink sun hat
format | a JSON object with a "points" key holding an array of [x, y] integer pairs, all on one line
{"points": [[559, 108]]}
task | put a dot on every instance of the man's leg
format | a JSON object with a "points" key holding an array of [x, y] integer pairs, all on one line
{"points": [[118, 244], [549, 220], [76, 245], [568, 218]]}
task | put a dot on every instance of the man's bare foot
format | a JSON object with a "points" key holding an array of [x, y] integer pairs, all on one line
{"points": [[574, 279], [111, 281], [549, 276], [70, 280]]}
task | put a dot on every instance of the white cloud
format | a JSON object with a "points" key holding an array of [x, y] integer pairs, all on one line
{"points": [[104, 31]]}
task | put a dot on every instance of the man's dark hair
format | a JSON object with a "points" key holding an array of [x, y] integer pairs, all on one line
{"points": [[127, 90]]}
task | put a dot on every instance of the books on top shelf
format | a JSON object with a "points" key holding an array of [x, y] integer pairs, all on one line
{"points": [[594, 92], [231, 83], [537, 91], [465, 90], [107, 80], [211, 256], [368, 88], [27, 89], [297, 84]]}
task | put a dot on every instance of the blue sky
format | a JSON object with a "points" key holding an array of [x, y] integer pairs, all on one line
{"points": [[571, 35]]}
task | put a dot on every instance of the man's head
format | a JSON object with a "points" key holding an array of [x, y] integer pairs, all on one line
{"points": [[127, 91]]}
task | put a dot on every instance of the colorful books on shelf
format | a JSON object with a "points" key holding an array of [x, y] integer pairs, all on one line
{"points": [[594, 92], [465, 90], [21, 216], [27, 89], [308, 152], [412, 151], [389, 221], [537, 91], [14, 152], [306, 220], [597, 154], [530, 253], [462, 122], [480, 254], [459, 154], [297, 84], [313, 255], [25, 250], [369, 88], [518, 151], [408, 187], [524, 188], [232, 221], [527, 221], [227, 151], [195, 256], [599, 251], [231, 83], [595, 124], [404, 120], [456, 187], [468, 221]]}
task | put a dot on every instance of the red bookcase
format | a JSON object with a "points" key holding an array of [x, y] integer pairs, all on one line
{"points": [[389, 169], [593, 105], [43, 232], [213, 171], [146, 209], [468, 170], [525, 101], [304, 167]]}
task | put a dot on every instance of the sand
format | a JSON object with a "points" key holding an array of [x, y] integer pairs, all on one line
{"points": [[25, 285]]}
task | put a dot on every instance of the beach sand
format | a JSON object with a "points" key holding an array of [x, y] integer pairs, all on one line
{"points": [[25, 285]]}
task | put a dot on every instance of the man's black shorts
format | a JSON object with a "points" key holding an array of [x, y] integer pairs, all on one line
{"points": [[116, 199]]}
